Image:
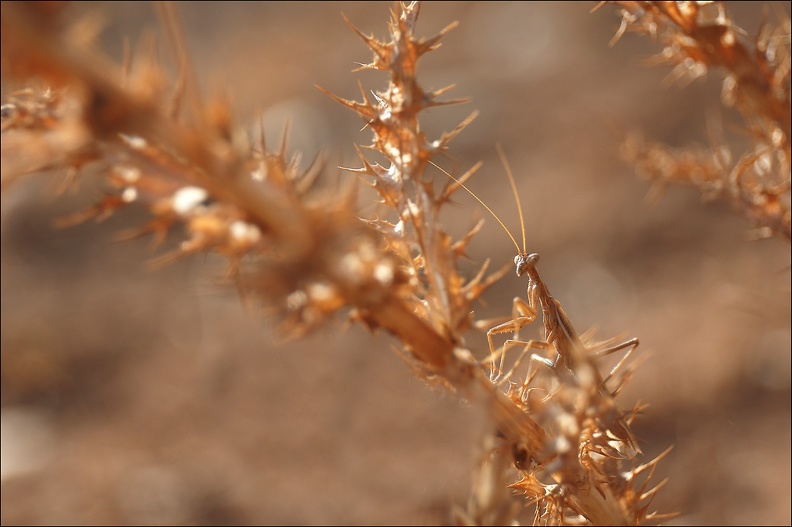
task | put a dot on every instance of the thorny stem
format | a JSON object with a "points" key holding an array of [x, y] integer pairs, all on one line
{"points": [[700, 36]]}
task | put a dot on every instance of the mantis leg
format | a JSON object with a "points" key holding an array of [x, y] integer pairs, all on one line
{"points": [[522, 314], [526, 346], [631, 344]]}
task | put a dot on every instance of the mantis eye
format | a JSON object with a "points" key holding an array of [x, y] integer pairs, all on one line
{"points": [[521, 263]]}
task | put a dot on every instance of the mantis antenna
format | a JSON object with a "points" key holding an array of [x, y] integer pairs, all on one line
{"points": [[514, 191]]}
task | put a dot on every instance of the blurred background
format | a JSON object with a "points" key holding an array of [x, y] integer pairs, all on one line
{"points": [[132, 396]]}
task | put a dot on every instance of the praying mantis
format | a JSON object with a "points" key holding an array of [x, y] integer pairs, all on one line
{"points": [[559, 335]]}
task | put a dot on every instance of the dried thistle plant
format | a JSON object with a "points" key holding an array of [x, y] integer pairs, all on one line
{"points": [[559, 437], [574, 457], [698, 37]]}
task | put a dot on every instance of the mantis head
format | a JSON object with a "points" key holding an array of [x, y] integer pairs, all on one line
{"points": [[524, 261]]}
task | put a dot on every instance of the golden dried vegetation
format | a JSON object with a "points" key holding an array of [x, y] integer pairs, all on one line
{"points": [[559, 446]]}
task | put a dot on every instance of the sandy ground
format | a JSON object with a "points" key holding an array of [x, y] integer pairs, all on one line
{"points": [[139, 397]]}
